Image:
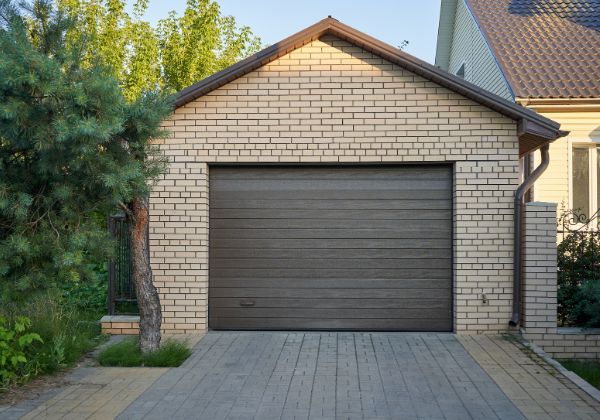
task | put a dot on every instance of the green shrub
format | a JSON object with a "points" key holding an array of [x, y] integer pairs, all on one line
{"points": [[127, 353], [89, 295], [67, 333], [579, 280], [14, 341]]}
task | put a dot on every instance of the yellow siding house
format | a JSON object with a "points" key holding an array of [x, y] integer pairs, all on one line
{"points": [[544, 56]]}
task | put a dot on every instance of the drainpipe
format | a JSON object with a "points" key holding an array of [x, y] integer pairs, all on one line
{"points": [[518, 261]]}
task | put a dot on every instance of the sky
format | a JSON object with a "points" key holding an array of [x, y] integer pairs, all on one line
{"points": [[391, 21]]}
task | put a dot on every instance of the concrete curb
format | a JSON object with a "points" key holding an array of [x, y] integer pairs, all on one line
{"points": [[572, 376]]}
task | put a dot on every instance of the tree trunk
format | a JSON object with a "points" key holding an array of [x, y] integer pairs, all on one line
{"points": [[147, 295]]}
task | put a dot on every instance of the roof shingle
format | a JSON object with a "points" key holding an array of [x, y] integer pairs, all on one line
{"points": [[546, 48]]}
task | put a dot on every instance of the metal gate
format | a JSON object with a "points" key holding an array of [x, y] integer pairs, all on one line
{"points": [[121, 292], [578, 259]]}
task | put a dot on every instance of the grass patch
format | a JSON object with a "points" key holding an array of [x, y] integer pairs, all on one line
{"points": [[171, 354], [127, 353], [124, 353], [588, 370]]}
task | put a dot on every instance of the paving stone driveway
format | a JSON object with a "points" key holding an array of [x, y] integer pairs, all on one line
{"points": [[329, 375]]}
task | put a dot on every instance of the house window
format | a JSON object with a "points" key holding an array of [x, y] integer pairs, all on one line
{"points": [[461, 71], [584, 179]]}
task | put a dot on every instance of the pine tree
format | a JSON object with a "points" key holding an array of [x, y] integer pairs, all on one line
{"points": [[71, 146]]}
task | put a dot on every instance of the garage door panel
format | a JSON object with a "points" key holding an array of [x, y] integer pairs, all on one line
{"points": [[337, 183], [333, 204], [405, 219], [228, 237], [386, 324], [359, 247], [346, 282], [382, 273], [350, 303], [331, 263], [321, 194], [249, 213], [310, 173], [333, 293], [339, 243], [320, 253], [360, 229], [332, 313]]}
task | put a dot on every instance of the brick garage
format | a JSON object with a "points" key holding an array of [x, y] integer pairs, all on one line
{"points": [[332, 95]]}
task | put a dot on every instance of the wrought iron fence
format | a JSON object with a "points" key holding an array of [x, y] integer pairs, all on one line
{"points": [[578, 261], [121, 292]]}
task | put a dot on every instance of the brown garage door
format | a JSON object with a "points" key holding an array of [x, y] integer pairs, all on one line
{"points": [[353, 248]]}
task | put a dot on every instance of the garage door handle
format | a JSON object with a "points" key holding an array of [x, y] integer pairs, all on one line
{"points": [[247, 303]]}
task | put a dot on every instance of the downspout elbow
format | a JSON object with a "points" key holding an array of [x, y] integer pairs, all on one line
{"points": [[518, 221]]}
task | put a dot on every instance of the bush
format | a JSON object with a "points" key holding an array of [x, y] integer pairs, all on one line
{"points": [[579, 280], [14, 340], [127, 354], [89, 295]]}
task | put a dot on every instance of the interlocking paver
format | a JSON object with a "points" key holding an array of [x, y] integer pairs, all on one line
{"points": [[535, 387], [96, 393], [325, 375]]}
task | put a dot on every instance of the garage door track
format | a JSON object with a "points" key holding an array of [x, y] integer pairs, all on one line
{"points": [[325, 375]]}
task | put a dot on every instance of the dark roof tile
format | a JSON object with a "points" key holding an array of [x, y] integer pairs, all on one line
{"points": [[546, 48]]}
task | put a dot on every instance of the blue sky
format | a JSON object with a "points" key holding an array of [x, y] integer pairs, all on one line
{"points": [[391, 21]]}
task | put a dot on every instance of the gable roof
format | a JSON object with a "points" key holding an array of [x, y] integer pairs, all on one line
{"points": [[545, 48], [534, 129]]}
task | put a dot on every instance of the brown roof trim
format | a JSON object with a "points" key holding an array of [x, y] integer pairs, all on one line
{"points": [[546, 105], [539, 128]]}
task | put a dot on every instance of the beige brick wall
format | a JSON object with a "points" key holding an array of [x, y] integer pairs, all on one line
{"points": [[333, 102], [539, 267], [540, 287], [120, 324]]}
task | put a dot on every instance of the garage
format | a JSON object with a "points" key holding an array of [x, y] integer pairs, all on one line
{"points": [[330, 247]]}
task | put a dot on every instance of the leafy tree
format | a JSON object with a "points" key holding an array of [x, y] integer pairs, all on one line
{"points": [[126, 44], [71, 145], [200, 43], [177, 53]]}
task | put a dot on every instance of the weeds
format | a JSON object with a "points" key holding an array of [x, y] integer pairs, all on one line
{"points": [[67, 333]]}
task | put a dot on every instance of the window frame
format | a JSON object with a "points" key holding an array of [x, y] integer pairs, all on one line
{"points": [[594, 171]]}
